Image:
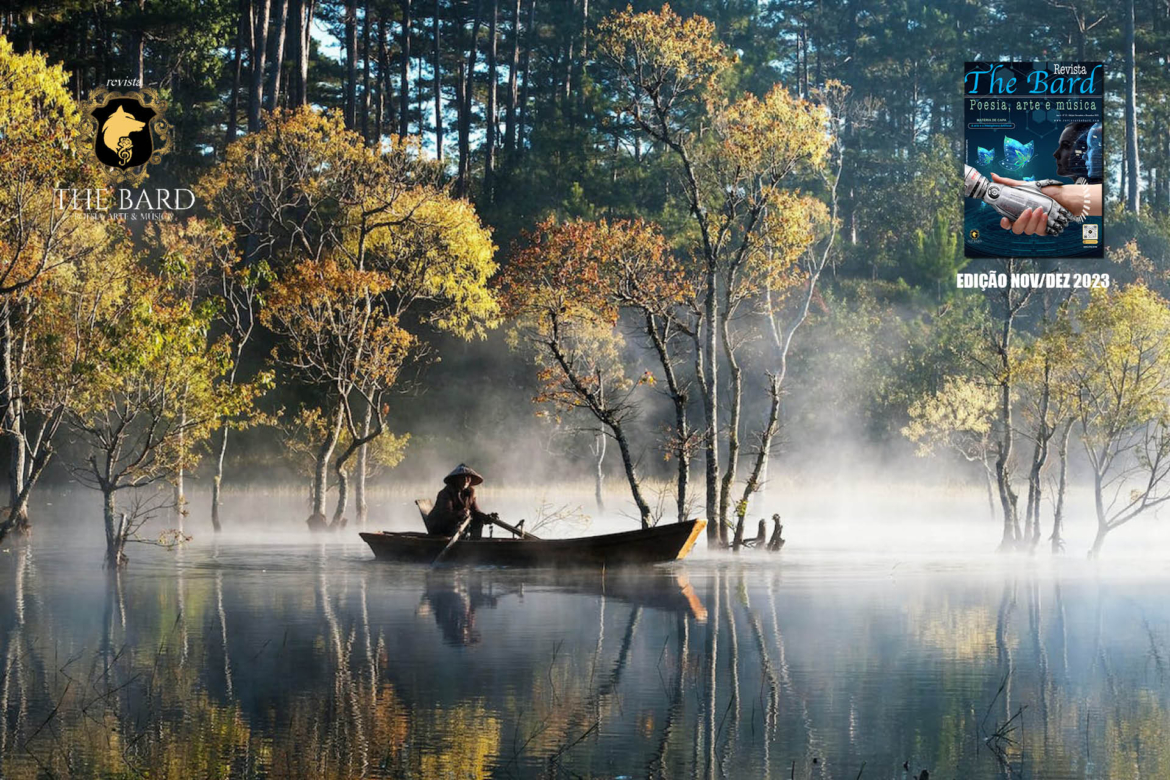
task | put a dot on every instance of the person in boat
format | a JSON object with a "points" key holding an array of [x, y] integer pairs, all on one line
{"points": [[455, 503]]}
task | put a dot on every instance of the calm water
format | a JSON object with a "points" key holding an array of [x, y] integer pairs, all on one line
{"points": [[309, 659]]}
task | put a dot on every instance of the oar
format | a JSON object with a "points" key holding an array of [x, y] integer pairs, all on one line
{"points": [[450, 544], [512, 528]]}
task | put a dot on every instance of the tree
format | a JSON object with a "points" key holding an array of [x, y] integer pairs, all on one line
{"points": [[1122, 380], [370, 253], [732, 157], [958, 417], [555, 293], [340, 339], [646, 278], [39, 129], [152, 390], [206, 255]]}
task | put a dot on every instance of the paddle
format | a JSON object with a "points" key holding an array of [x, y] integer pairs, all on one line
{"points": [[512, 528], [455, 538]]}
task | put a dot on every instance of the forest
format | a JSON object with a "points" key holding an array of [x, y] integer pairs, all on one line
{"points": [[684, 249]]}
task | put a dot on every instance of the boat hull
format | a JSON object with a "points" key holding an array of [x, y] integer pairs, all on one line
{"points": [[660, 544]]}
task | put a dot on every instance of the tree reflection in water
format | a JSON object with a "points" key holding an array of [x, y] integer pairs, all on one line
{"points": [[313, 662]]}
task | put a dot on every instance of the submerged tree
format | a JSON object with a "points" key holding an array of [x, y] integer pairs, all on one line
{"points": [[564, 312], [732, 157], [1122, 381], [340, 339], [39, 232], [152, 391], [370, 253], [958, 417]]}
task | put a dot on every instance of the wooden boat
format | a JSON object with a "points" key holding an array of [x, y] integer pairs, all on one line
{"points": [[660, 544]]}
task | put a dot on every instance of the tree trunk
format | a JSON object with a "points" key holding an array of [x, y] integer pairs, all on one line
{"points": [[710, 387], [234, 102], [437, 67], [1102, 518], [679, 399], [599, 470], [321, 472], [382, 121], [259, 51], [513, 95], [10, 399], [467, 83], [366, 71], [351, 64], [304, 49], [1132, 167], [1062, 482], [140, 47], [1039, 459], [278, 54], [631, 473], [736, 391], [528, 32], [217, 480], [342, 496], [363, 460], [489, 142], [116, 530], [404, 75]]}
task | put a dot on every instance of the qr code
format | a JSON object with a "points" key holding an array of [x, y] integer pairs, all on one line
{"points": [[1089, 232]]}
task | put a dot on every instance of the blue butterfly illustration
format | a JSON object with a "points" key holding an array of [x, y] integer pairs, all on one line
{"points": [[1029, 178], [1015, 154], [985, 156]]}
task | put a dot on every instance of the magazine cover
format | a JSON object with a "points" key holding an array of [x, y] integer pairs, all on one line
{"points": [[1033, 159]]}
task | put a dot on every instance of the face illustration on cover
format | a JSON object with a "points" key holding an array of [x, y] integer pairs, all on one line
{"points": [[1079, 152]]}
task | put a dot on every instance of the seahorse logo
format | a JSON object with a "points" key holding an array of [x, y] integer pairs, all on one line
{"points": [[116, 134]]}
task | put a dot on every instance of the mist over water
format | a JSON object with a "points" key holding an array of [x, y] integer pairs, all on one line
{"points": [[886, 632]]}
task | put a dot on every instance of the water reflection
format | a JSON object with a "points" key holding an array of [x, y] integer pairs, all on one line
{"points": [[311, 661]]}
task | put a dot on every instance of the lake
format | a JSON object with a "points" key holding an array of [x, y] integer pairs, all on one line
{"points": [[307, 659]]}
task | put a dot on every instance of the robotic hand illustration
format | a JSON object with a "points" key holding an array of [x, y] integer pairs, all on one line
{"points": [[1011, 202]]}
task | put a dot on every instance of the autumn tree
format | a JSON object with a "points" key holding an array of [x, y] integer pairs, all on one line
{"points": [[152, 390], [339, 338], [563, 311], [1122, 379], [39, 129], [371, 255], [958, 417], [732, 157], [204, 258], [644, 277]]}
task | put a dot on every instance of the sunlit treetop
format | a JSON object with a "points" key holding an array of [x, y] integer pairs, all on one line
{"points": [[667, 63], [39, 136]]}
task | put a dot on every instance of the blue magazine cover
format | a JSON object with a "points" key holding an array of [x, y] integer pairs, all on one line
{"points": [[1033, 159]]}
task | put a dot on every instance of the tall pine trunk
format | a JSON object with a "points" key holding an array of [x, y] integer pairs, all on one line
{"points": [[467, 82], [278, 54], [489, 143], [437, 77], [237, 68], [366, 71], [404, 75], [513, 96], [1132, 166], [351, 64], [259, 53], [528, 32]]}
